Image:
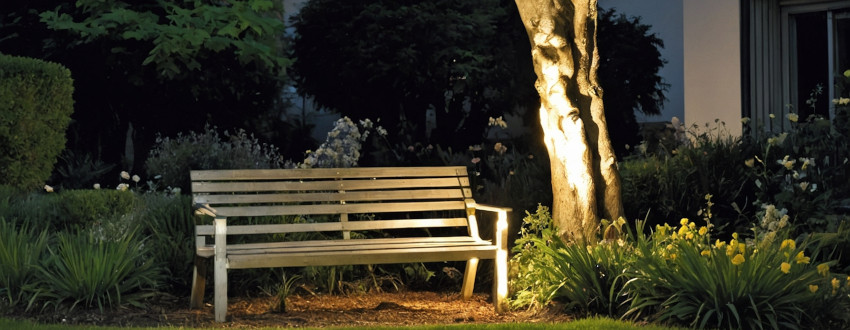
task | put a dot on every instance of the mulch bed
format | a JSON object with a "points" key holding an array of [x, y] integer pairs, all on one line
{"points": [[307, 310]]}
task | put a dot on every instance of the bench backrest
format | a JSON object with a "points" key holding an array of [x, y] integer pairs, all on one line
{"points": [[344, 198]]}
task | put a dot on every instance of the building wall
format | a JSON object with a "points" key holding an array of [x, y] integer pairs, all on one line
{"points": [[712, 63]]}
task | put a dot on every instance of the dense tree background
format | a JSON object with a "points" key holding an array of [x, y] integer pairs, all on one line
{"points": [[156, 66], [394, 59], [628, 72]]}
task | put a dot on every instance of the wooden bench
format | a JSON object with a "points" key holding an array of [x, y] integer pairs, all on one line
{"points": [[431, 206]]}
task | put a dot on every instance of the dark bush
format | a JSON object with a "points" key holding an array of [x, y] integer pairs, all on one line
{"points": [[35, 109]]}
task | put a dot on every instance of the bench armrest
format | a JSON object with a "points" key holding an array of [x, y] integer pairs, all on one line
{"points": [[491, 208], [204, 209]]}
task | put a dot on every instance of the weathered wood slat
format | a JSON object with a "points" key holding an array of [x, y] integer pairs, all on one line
{"points": [[363, 257], [356, 247], [254, 211], [334, 226], [382, 195], [318, 173], [328, 185]]}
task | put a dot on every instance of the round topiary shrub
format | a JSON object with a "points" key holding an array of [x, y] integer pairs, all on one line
{"points": [[35, 108]]}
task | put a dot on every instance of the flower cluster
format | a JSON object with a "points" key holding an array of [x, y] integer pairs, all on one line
{"points": [[343, 144]]}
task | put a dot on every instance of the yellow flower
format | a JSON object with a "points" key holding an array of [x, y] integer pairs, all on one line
{"points": [[742, 248], [847, 73], [788, 243], [738, 259], [750, 162], [785, 267], [835, 283], [703, 230], [792, 117], [735, 236], [772, 116], [705, 253], [801, 258], [684, 222], [673, 256], [823, 269], [813, 288]]}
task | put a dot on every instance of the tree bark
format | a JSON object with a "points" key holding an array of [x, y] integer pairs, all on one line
{"points": [[585, 180]]}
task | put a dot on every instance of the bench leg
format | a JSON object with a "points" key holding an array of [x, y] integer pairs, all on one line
{"points": [[199, 281], [220, 270], [469, 278]]}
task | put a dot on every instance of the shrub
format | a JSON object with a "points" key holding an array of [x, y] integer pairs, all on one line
{"points": [[87, 207], [172, 159], [168, 222], [683, 277], [84, 270], [35, 110], [21, 251], [589, 278]]}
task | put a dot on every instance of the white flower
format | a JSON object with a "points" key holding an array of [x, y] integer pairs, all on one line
{"points": [[772, 116], [122, 187], [745, 120], [125, 175], [96, 186], [136, 178], [381, 131], [175, 190], [48, 188]]}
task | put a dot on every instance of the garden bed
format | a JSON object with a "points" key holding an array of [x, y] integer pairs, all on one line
{"points": [[306, 310]]}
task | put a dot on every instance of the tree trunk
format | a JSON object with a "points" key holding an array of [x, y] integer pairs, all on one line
{"points": [[585, 181]]}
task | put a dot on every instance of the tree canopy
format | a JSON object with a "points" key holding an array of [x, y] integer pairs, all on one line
{"points": [[628, 71], [153, 66], [394, 59]]}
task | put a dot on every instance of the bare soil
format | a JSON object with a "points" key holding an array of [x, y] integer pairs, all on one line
{"points": [[307, 310]]}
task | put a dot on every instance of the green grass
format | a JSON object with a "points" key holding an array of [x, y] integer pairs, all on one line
{"points": [[589, 323]]}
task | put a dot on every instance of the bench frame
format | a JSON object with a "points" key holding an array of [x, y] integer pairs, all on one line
{"points": [[339, 192]]}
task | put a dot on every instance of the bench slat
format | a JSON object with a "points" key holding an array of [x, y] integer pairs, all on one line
{"points": [[354, 247], [385, 195], [334, 226], [362, 257], [329, 185], [253, 211], [318, 173]]}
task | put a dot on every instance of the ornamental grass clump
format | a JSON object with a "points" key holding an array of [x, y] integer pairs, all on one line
{"points": [[21, 251], [687, 277], [85, 271], [587, 278]]}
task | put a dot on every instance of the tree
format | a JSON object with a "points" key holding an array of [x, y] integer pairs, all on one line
{"points": [[395, 59], [585, 181], [628, 70], [147, 67]]}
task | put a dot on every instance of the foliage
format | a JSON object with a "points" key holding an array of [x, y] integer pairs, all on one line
{"points": [[628, 72], [75, 171], [173, 158], [167, 221], [181, 32], [87, 207], [203, 67], [397, 59], [684, 277], [87, 271], [804, 169], [21, 251], [35, 109], [590, 278], [670, 182]]}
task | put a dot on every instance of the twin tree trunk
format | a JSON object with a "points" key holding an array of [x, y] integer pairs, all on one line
{"points": [[585, 181]]}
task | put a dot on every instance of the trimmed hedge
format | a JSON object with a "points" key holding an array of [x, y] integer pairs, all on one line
{"points": [[35, 109]]}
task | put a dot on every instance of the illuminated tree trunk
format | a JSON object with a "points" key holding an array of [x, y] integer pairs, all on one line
{"points": [[585, 181]]}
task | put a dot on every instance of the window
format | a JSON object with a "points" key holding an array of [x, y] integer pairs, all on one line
{"points": [[818, 51]]}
